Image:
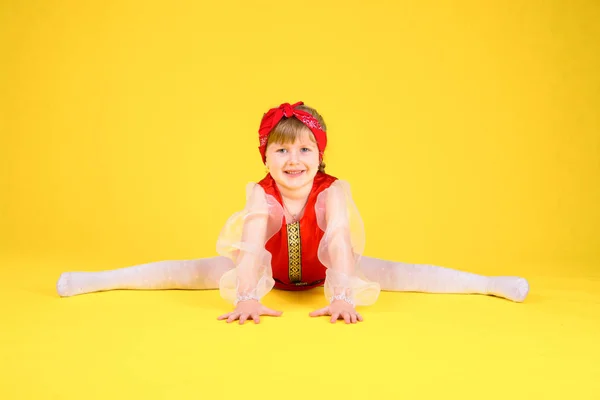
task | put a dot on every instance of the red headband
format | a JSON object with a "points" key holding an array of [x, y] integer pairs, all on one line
{"points": [[274, 115]]}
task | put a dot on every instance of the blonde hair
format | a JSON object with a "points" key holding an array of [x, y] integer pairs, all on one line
{"points": [[290, 129]]}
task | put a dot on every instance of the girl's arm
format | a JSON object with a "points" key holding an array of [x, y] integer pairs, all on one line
{"points": [[243, 239], [342, 246]]}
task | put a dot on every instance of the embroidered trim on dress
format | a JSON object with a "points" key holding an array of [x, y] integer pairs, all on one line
{"points": [[294, 253]]}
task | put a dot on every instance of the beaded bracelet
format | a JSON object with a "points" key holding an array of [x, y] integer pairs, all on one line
{"points": [[246, 297], [342, 297]]}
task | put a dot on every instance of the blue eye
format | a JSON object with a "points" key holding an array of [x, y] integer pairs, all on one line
{"points": [[281, 150]]}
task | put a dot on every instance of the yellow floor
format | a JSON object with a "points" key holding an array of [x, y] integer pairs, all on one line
{"points": [[169, 345]]}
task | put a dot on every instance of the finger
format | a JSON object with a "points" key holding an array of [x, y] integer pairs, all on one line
{"points": [[359, 317], [353, 318], [320, 312], [256, 318], [272, 313], [346, 317], [224, 316], [334, 317], [233, 317], [243, 318]]}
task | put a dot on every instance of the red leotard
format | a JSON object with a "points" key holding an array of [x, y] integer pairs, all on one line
{"points": [[295, 263]]}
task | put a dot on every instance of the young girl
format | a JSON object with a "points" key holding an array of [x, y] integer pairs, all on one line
{"points": [[299, 229]]}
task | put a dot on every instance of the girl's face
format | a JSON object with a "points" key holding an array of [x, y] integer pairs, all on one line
{"points": [[294, 165]]}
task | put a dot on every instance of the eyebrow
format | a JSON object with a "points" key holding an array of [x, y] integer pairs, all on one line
{"points": [[291, 144]]}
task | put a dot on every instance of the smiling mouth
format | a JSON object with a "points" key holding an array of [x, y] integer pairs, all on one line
{"points": [[294, 172]]}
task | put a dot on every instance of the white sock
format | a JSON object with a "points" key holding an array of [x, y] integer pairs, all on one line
{"points": [[403, 277], [177, 274]]}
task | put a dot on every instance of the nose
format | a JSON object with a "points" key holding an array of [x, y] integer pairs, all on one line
{"points": [[293, 156]]}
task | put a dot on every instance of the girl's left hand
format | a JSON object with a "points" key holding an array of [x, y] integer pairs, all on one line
{"points": [[339, 309]]}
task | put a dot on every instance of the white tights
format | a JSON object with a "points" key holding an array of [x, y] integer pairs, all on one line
{"points": [[205, 273]]}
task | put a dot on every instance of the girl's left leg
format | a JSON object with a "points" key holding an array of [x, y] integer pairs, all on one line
{"points": [[403, 277]]}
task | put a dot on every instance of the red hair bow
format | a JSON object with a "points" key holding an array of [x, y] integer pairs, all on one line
{"points": [[274, 115]]}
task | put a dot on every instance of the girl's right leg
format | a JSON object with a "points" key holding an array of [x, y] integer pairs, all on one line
{"points": [[203, 273]]}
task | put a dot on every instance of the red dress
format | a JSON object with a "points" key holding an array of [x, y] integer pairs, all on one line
{"points": [[294, 247]]}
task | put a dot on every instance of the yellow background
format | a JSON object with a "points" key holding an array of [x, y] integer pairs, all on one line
{"points": [[470, 134]]}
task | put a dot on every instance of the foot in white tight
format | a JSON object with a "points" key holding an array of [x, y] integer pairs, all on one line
{"points": [[510, 287], [74, 283]]}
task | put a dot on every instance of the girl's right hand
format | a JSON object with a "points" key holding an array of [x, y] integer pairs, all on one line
{"points": [[249, 309]]}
